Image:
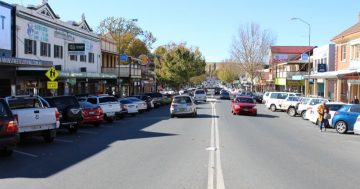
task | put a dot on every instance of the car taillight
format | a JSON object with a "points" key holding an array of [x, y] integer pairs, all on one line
{"points": [[336, 113], [99, 111], [57, 115], [12, 127]]}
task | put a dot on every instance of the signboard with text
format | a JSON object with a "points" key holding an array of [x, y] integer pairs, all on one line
{"points": [[322, 68], [52, 85], [5, 27], [76, 47]]}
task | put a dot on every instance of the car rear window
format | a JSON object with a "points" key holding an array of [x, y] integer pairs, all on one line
{"points": [[107, 99], [63, 102], [245, 100], [125, 101], [182, 100], [200, 92], [24, 103], [86, 105], [333, 107], [355, 108], [4, 111], [92, 100]]}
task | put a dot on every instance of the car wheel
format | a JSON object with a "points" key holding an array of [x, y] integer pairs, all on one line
{"points": [[291, 112], [6, 152], [172, 116], [303, 115], [109, 120], [273, 108], [48, 138], [341, 127]]}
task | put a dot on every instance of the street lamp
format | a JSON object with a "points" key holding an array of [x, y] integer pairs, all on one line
{"points": [[309, 63]]}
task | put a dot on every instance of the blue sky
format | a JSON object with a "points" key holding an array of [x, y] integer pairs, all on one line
{"points": [[212, 24]]}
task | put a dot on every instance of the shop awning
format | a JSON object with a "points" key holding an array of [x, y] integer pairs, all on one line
{"points": [[331, 74], [86, 75]]}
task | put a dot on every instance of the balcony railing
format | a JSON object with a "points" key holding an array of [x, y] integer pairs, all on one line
{"points": [[123, 71]]}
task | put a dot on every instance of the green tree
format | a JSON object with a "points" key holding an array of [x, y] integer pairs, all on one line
{"points": [[176, 64], [198, 80], [228, 72]]}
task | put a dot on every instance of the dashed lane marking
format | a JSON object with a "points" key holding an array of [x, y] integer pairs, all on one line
{"points": [[25, 153]]}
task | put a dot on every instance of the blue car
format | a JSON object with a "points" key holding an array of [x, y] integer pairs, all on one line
{"points": [[345, 118]]}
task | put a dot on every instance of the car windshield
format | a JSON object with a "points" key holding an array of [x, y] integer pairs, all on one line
{"points": [[24, 103], [182, 100], [63, 102], [124, 101], [305, 100], [199, 92], [87, 105], [134, 99], [107, 99], [244, 100]]}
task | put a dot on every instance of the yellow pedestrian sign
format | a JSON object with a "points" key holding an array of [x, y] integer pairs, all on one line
{"points": [[52, 74], [52, 85]]}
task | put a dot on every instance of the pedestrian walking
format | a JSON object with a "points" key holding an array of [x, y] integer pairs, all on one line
{"points": [[356, 100], [322, 111]]}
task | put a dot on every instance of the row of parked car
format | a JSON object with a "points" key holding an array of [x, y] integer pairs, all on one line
{"points": [[343, 117], [21, 116]]}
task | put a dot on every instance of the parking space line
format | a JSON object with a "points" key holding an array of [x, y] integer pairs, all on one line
{"points": [[88, 132], [62, 140], [25, 153]]}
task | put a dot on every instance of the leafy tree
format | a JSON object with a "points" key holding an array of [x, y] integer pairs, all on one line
{"points": [[250, 48], [131, 39], [228, 72], [176, 64], [198, 80]]}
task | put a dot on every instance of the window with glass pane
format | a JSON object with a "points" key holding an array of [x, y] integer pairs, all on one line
{"points": [[82, 58], [343, 52]]}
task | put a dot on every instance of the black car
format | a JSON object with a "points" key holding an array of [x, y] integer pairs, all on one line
{"points": [[259, 97], [9, 135], [147, 99], [157, 98], [224, 95], [70, 111]]}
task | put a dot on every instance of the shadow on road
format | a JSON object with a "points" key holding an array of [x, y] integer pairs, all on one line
{"points": [[267, 116], [69, 149]]}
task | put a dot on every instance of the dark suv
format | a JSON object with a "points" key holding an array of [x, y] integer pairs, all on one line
{"points": [[9, 135], [70, 111], [157, 98]]}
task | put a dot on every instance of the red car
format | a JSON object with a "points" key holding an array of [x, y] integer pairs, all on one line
{"points": [[92, 114], [243, 105]]}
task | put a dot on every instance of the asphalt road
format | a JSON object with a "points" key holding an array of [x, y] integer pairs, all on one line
{"points": [[153, 151]]}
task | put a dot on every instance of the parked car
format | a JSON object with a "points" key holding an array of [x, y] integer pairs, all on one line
{"points": [[92, 114], [266, 97], [140, 104], [147, 99], [243, 105], [313, 116], [199, 95], [182, 105], [129, 106], [224, 95], [275, 99], [70, 111], [345, 118], [110, 106], [304, 104], [34, 116], [157, 98], [289, 101], [357, 126], [9, 135], [259, 97]]}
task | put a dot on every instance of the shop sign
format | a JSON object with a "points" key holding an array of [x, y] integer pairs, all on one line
{"points": [[353, 81], [64, 35], [322, 68], [295, 82], [52, 74], [280, 81], [37, 32], [25, 62], [52, 85], [76, 47], [297, 77], [5, 27]]}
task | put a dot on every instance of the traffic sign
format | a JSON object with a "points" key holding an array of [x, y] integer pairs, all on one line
{"points": [[52, 74], [52, 85], [123, 56]]}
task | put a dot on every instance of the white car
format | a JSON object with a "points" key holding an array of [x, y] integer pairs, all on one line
{"points": [[308, 103], [182, 105], [141, 105], [109, 104], [275, 99], [200, 95], [312, 114], [35, 116], [357, 126], [129, 106]]}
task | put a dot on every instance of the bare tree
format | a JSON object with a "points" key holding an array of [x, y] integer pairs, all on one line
{"points": [[250, 49]]}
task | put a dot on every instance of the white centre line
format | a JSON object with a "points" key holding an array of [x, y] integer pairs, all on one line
{"points": [[25, 153], [215, 174]]}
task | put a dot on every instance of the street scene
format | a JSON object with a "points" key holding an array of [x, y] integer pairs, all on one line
{"points": [[165, 94]]}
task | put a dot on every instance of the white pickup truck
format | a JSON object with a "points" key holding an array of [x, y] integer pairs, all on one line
{"points": [[34, 116]]}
